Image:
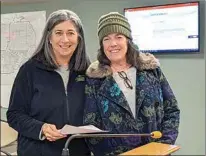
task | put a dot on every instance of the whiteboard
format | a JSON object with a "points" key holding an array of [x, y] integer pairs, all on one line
{"points": [[20, 35]]}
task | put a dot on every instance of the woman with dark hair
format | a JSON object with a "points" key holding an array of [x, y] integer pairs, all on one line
{"points": [[44, 94], [126, 92]]}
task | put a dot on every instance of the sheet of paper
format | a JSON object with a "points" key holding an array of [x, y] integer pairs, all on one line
{"points": [[69, 129]]}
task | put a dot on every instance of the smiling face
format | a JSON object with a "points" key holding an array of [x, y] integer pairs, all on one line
{"points": [[115, 47], [64, 40]]}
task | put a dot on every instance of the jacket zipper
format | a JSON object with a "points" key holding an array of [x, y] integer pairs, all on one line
{"points": [[66, 98], [67, 105]]}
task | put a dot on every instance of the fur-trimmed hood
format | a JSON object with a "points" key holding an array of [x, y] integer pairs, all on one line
{"points": [[146, 61]]}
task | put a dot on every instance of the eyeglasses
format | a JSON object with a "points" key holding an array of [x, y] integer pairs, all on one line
{"points": [[127, 82]]}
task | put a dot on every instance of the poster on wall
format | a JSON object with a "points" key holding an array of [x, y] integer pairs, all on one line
{"points": [[20, 35]]}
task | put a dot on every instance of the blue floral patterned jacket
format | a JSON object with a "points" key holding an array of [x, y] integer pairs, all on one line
{"points": [[107, 108]]}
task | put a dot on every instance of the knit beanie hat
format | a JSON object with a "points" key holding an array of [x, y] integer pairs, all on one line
{"points": [[113, 22]]}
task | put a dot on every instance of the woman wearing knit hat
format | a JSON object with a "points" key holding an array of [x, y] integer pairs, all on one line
{"points": [[127, 92]]}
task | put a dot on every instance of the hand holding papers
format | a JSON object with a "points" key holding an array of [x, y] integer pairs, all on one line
{"points": [[69, 129]]}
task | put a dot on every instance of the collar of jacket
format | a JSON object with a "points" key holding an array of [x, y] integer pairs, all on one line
{"points": [[41, 65], [146, 61]]}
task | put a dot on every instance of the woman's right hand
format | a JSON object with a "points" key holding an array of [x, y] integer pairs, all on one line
{"points": [[51, 133]]}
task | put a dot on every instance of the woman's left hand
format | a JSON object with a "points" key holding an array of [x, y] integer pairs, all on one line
{"points": [[51, 133]]}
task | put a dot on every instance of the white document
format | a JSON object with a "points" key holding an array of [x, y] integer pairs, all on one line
{"points": [[69, 129]]}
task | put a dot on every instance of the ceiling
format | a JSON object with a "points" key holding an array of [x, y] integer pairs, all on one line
{"points": [[21, 1]]}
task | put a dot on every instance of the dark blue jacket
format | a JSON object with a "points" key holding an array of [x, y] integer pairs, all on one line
{"points": [[108, 109], [38, 96]]}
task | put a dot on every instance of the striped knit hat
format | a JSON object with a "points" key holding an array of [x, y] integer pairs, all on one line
{"points": [[113, 22]]}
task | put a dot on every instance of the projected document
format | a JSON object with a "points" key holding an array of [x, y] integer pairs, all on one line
{"points": [[165, 27]]}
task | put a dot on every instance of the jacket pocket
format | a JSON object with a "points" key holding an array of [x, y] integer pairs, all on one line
{"points": [[27, 146]]}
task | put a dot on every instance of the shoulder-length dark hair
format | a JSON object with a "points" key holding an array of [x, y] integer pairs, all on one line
{"points": [[44, 52], [131, 55]]}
